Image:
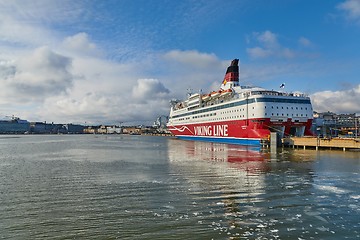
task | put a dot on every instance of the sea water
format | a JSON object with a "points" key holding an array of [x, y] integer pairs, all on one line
{"points": [[147, 187]]}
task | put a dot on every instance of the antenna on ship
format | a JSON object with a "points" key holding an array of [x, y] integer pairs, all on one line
{"points": [[189, 92]]}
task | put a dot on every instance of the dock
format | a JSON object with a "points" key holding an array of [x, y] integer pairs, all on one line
{"points": [[322, 143]]}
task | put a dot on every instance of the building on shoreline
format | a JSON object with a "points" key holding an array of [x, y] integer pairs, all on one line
{"points": [[329, 124], [102, 129], [14, 125]]}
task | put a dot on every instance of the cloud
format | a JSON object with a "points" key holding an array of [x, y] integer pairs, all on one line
{"points": [[269, 46], [191, 58], [99, 107], [35, 76], [258, 52], [29, 23], [346, 101], [81, 44], [267, 38], [305, 42], [351, 8], [149, 89], [109, 92]]}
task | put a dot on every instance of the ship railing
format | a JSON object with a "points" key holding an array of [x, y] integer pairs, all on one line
{"points": [[274, 93]]}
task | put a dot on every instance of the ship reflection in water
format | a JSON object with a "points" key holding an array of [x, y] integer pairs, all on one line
{"points": [[228, 179], [244, 157], [221, 179]]}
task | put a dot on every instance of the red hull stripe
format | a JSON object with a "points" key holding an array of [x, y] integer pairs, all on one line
{"points": [[240, 141], [240, 129]]}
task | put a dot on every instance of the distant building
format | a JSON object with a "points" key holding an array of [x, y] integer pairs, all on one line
{"points": [[90, 130], [332, 125], [14, 125], [74, 128], [103, 129], [132, 130], [113, 130]]}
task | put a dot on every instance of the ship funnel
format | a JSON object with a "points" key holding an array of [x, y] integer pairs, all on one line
{"points": [[231, 78]]}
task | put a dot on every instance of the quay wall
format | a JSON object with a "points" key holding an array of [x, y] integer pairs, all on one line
{"points": [[329, 143]]}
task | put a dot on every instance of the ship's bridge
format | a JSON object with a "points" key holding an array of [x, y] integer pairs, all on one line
{"points": [[247, 91]]}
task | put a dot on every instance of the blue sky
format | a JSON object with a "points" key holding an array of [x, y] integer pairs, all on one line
{"points": [[123, 60]]}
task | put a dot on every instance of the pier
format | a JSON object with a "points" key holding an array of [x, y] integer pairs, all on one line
{"points": [[322, 143]]}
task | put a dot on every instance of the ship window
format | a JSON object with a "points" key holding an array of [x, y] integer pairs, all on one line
{"points": [[296, 108], [301, 108], [287, 107], [272, 114], [282, 107], [272, 106], [265, 106], [292, 108], [265, 114], [277, 114], [277, 107]]}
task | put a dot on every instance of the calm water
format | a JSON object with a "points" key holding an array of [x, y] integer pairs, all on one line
{"points": [[143, 187]]}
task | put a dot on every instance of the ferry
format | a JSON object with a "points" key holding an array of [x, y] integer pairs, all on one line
{"points": [[238, 114]]}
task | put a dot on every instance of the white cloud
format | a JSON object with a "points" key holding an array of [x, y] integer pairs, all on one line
{"points": [[304, 42], [15, 32], [267, 38], [28, 23], [192, 70], [110, 92], [80, 43], [351, 9], [346, 101], [100, 107], [258, 52], [93, 108], [149, 89], [35, 76], [269, 46], [106, 92], [44, 85], [191, 58]]}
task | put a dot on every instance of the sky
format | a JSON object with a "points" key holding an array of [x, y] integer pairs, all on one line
{"points": [[122, 61]]}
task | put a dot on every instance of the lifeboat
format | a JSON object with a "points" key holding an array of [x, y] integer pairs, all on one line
{"points": [[226, 92], [205, 97], [215, 94]]}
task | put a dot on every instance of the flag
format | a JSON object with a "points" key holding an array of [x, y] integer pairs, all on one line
{"points": [[282, 85]]}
